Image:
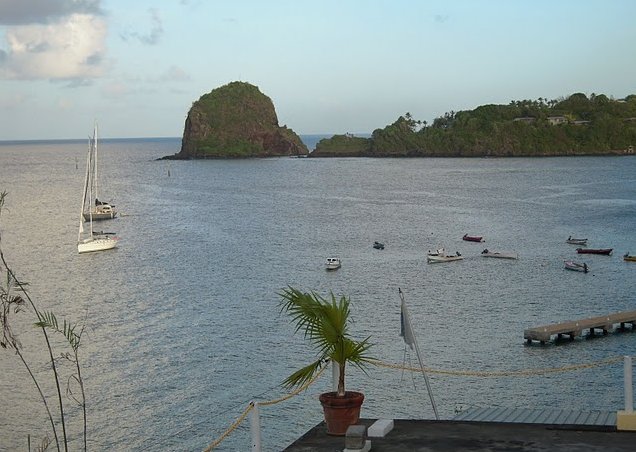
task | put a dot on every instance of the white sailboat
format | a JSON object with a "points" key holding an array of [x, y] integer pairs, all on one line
{"points": [[100, 210], [87, 240]]}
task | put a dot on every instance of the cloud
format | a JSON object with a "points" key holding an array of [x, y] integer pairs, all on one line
{"points": [[73, 47], [13, 101], [115, 90], [174, 74], [153, 36], [77, 82], [64, 104], [23, 12], [441, 18]]}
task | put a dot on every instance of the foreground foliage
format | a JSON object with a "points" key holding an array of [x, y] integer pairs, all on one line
{"points": [[15, 299]]}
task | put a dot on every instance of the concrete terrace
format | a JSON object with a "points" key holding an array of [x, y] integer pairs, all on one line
{"points": [[454, 435]]}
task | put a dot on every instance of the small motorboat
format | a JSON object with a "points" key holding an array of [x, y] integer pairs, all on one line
{"points": [[575, 266], [378, 245], [605, 251], [572, 241], [443, 257], [333, 263], [500, 255], [629, 258], [472, 238]]}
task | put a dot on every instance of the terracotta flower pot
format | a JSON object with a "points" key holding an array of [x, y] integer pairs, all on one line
{"points": [[341, 412]]}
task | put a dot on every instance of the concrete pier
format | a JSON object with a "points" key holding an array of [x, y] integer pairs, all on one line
{"points": [[574, 328]]}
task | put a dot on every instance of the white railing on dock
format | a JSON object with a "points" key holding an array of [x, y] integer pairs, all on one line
{"points": [[255, 428], [629, 388]]}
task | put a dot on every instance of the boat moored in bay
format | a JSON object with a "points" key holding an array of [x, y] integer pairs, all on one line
{"points": [[604, 251], [333, 263], [441, 256], [576, 266], [572, 241], [89, 241], [500, 254]]}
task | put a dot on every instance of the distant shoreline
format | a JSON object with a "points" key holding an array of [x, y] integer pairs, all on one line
{"points": [[310, 141]]}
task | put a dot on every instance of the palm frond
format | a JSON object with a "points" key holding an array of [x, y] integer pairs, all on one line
{"points": [[325, 323], [304, 375], [48, 320]]}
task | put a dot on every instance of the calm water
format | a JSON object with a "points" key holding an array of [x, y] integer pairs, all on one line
{"points": [[182, 320]]}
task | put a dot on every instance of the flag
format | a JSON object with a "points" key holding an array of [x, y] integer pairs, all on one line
{"points": [[405, 326]]}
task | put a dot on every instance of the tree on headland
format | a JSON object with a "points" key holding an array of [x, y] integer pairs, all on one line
{"points": [[576, 125]]}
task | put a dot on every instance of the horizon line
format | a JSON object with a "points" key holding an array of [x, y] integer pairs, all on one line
{"points": [[38, 140]]}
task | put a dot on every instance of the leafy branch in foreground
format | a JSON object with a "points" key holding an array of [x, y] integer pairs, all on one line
{"points": [[48, 320], [15, 299]]}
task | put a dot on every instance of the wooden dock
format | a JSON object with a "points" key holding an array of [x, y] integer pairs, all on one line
{"points": [[574, 328]]}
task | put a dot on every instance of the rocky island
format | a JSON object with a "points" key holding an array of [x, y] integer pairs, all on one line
{"points": [[236, 121], [576, 125]]}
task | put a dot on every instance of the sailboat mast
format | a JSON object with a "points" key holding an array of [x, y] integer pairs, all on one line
{"points": [[85, 193], [91, 185], [96, 179]]}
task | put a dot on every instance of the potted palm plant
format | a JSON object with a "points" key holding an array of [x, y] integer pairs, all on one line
{"points": [[325, 323]]}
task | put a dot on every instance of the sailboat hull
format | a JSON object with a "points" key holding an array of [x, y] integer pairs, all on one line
{"points": [[97, 216], [96, 244]]}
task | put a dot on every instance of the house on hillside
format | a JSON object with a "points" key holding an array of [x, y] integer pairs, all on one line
{"points": [[525, 119], [556, 120]]}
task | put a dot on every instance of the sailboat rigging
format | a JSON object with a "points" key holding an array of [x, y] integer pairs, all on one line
{"points": [[100, 210], [88, 240]]}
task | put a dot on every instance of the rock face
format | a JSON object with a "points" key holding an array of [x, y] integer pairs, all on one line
{"points": [[236, 121]]}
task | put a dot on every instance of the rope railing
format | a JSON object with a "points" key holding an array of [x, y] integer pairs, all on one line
{"points": [[504, 373], [250, 407], [231, 428], [458, 373]]}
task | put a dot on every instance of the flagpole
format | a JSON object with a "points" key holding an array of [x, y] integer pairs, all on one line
{"points": [[407, 319]]}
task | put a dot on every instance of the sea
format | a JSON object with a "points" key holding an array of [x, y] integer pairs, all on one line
{"points": [[181, 324]]}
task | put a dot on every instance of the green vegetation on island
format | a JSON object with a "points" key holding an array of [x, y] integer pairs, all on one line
{"points": [[577, 125], [236, 121]]}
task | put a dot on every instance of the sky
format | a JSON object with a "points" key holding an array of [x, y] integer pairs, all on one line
{"points": [[329, 66]]}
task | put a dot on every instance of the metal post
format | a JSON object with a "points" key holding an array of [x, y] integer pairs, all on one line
{"points": [[256, 428], [629, 389], [335, 375], [419, 358], [407, 320]]}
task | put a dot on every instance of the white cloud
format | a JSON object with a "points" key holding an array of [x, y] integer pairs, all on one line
{"points": [[71, 48], [13, 101], [64, 103], [115, 90], [174, 74], [153, 36]]}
